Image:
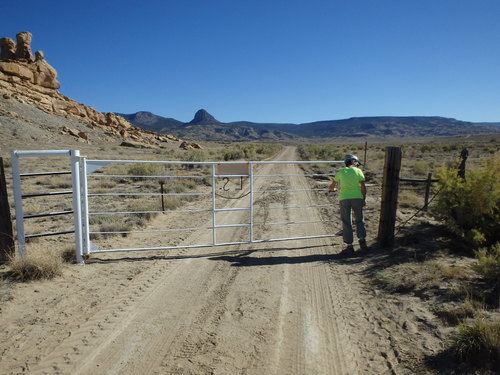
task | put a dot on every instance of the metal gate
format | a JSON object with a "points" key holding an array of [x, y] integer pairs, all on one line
{"points": [[115, 200]]}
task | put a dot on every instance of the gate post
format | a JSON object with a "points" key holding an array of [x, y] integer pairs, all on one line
{"points": [[6, 233], [390, 191], [77, 203], [18, 203], [214, 206], [251, 202]]}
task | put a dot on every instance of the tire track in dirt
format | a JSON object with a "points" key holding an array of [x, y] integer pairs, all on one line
{"points": [[321, 339]]}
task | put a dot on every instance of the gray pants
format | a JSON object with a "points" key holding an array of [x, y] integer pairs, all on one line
{"points": [[346, 207]]}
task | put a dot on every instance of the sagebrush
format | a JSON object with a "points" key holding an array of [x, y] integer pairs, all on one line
{"points": [[470, 208]]}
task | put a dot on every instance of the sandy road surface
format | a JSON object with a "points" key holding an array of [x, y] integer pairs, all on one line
{"points": [[288, 307]]}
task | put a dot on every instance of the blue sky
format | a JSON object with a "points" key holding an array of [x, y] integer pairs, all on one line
{"points": [[271, 61]]}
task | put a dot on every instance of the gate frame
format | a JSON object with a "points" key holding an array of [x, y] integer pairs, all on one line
{"points": [[79, 175], [76, 195], [90, 165]]}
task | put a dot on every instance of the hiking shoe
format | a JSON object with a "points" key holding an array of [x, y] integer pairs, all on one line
{"points": [[362, 245], [348, 251]]}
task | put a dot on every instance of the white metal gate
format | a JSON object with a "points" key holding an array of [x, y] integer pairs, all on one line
{"points": [[108, 193]]}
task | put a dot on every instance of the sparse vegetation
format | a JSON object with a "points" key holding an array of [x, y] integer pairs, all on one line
{"points": [[421, 168], [39, 263], [143, 169], [417, 276], [478, 342], [488, 265], [471, 208], [409, 198], [321, 152]]}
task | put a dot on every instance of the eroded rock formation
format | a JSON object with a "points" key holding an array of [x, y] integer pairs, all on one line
{"points": [[17, 62], [31, 79]]}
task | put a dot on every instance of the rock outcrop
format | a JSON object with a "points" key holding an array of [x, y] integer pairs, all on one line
{"points": [[31, 79], [18, 63], [190, 146]]}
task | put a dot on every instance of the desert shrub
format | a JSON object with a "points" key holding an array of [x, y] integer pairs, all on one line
{"points": [[408, 198], [143, 169], [193, 156], [471, 208], [68, 254], [488, 264], [321, 152], [38, 263], [140, 206], [109, 223], [479, 342], [420, 167]]}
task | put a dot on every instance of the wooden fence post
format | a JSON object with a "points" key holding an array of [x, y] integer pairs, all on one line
{"points": [[364, 160], [6, 233], [427, 191], [390, 191]]}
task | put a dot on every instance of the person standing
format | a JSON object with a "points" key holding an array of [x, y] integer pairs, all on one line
{"points": [[352, 198]]}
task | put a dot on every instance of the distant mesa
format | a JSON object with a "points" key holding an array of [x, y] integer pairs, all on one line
{"points": [[202, 117]]}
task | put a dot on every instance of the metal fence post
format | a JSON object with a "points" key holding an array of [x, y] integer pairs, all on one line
{"points": [[77, 203], [251, 202], [85, 207], [214, 206], [18, 203]]}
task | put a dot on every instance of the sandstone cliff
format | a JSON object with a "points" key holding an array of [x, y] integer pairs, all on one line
{"points": [[29, 78]]}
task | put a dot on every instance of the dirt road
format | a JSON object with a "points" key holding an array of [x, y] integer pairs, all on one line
{"points": [[289, 307]]}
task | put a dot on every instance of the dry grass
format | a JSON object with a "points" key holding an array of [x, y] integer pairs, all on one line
{"points": [[471, 307], [409, 198], [39, 263], [488, 264], [418, 276], [478, 342]]}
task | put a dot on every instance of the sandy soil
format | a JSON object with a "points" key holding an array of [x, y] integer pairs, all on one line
{"points": [[291, 307]]}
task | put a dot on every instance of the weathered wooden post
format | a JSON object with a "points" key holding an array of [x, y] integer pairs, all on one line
{"points": [[6, 233], [390, 191], [364, 160], [463, 161], [427, 191], [162, 200]]}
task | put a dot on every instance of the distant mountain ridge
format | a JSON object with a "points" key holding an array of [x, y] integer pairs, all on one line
{"points": [[204, 126]]}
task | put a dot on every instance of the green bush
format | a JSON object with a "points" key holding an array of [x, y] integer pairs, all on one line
{"points": [[488, 264], [478, 343], [471, 208]]}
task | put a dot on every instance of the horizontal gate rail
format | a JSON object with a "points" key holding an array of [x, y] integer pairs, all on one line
{"points": [[142, 194], [48, 214], [38, 174], [142, 176], [287, 190], [209, 245], [47, 194], [48, 234]]}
